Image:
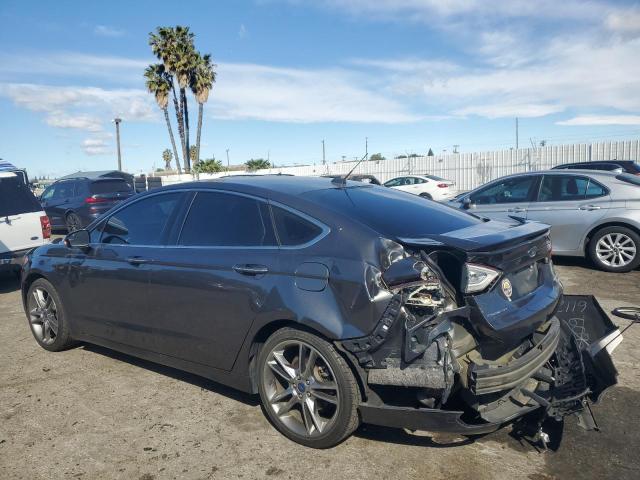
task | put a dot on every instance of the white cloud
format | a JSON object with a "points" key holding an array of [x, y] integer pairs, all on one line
{"points": [[107, 31], [80, 122], [584, 120], [248, 91], [95, 146], [626, 22]]}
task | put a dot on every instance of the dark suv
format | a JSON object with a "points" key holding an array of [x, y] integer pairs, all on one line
{"points": [[619, 166], [74, 203]]}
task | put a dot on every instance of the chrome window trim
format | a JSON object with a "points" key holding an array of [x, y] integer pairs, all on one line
{"points": [[325, 229]]}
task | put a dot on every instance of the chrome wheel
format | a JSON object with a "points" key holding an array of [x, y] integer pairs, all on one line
{"points": [[301, 388], [43, 316], [616, 250]]}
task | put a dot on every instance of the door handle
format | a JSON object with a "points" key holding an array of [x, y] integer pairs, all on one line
{"points": [[590, 207], [517, 210], [137, 260], [251, 269]]}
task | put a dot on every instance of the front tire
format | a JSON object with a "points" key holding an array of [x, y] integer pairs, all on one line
{"points": [[615, 249], [308, 391], [46, 317]]}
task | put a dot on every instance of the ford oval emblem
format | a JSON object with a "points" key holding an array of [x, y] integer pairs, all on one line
{"points": [[533, 251], [507, 288]]}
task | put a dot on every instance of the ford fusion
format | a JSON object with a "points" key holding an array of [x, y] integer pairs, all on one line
{"points": [[337, 302]]}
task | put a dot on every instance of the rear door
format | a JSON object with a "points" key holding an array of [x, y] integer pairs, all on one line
{"points": [[20, 212], [207, 289], [504, 198], [571, 204]]}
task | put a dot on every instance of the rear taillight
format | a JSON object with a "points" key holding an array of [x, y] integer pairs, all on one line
{"points": [[45, 224], [443, 185], [92, 200]]}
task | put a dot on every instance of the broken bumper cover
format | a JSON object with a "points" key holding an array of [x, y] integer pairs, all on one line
{"points": [[569, 365]]}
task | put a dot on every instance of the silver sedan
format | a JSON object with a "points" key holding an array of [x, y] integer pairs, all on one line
{"points": [[591, 213]]}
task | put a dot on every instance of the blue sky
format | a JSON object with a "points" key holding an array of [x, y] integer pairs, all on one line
{"points": [[408, 74]]}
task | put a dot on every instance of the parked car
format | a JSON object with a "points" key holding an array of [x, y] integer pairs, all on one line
{"points": [[74, 203], [357, 178], [23, 224], [592, 214], [427, 186], [617, 166], [336, 303]]}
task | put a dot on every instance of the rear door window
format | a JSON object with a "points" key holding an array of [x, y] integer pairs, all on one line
{"points": [[16, 197], [145, 222], [218, 219], [293, 230], [109, 186], [557, 188]]}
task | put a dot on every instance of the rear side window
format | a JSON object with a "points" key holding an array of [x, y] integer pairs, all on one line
{"points": [[225, 220], [595, 190], [144, 222], [64, 190], [293, 229], [510, 190], [109, 186], [557, 188], [16, 198]]}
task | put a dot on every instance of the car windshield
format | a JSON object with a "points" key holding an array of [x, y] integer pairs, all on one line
{"points": [[16, 198], [109, 186], [394, 213]]}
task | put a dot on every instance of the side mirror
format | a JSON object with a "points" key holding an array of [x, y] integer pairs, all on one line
{"points": [[466, 203], [78, 239]]}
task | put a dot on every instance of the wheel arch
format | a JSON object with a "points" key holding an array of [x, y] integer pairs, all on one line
{"points": [[26, 285], [261, 336], [597, 228]]}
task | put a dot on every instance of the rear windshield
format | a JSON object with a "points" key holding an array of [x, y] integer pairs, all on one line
{"points": [[394, 213], [16, 198], [627, 177], [109, 186], [433, 177]]}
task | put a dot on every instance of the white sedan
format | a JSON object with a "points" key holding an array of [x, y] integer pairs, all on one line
{"points": [[427, 186]]}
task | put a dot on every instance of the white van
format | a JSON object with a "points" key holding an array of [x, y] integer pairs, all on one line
{"points": [[23, 223]]}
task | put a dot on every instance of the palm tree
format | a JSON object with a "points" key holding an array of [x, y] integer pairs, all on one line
{"points": [[159, 84], [174, 47], [167, 156], [257, 164], [202, 80]]}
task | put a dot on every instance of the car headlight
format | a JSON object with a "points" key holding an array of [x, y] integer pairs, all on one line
{"points": [[475, 278]]}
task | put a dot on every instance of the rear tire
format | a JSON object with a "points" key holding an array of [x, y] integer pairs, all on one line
{"points": [[316, 405], [73, 222], [615, 249], [46, 317]]}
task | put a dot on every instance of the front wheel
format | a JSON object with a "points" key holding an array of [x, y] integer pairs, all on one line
{"points": [[46, 316], [307, 389], [615, 249]]}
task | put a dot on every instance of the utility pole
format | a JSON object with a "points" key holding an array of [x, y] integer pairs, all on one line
{"points": [[117, 121], [366, 148], [516, 133], [227, 159], [324, 161]]}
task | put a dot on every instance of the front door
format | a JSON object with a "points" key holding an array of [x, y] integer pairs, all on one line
{"points": [[109, 283], [505, 198]]}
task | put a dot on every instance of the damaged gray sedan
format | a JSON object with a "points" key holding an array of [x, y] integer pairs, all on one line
{"points": [[336, 301]]}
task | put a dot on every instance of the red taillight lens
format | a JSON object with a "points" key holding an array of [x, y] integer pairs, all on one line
{"points": [[45, 224], [443, 185], [92, 200]]}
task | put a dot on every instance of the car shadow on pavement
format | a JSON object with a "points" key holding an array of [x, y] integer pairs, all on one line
{"points": [[180, 375], [9, 282]]}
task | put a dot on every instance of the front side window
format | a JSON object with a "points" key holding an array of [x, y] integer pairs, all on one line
{"points": [[293, 229], [145, 222], [64, 190], [511, 190], [218, 219], [557, 188], [48, 193]]}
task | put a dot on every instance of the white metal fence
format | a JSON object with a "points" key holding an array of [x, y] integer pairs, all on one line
{"points": [[468, 170]]}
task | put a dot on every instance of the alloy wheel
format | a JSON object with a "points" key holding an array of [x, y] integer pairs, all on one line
{"points": [[616, 250], [301, 388], [43, 316]]}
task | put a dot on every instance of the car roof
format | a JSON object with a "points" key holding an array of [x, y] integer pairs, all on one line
{"points": [[577, 171]]}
